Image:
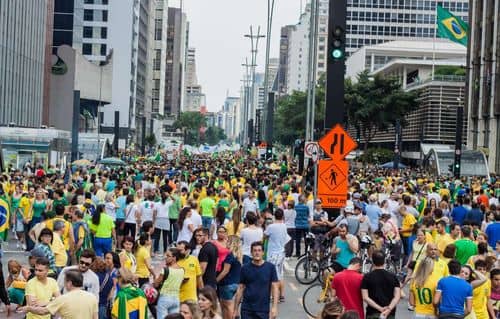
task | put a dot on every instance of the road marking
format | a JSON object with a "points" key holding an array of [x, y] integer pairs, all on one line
{"points": [[293, 286], [300, 301]]}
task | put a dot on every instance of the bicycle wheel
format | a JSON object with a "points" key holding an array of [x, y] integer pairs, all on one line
{"points": [[307, 270], [366, 266], [391, 267], [311, 300]]}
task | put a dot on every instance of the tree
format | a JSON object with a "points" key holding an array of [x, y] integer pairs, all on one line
{"points": [[374, 104], [190, 123], [214, 135], [151, 140], [290, 119]]}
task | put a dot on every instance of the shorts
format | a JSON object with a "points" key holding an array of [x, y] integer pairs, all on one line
{"points": [[120, 227], [19, 225], [227, 292], [277, 260], [248, 314]]}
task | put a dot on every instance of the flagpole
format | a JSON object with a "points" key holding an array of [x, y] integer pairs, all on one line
{"points": [[434, 42]]}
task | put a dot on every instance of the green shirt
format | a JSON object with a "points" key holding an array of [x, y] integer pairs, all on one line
{"points": [[174, 209], [465, 249], [172, 284], [207, 206], [105, 227]]}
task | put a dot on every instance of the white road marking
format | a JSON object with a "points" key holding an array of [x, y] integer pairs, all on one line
{"points": [[293, 286]]}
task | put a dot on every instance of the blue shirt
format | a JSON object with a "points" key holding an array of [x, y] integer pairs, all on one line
{"points": [[257, 281], [454, 292], [458, 214], [106, 284], [302, 216], [493, 232], [121, 202], [475, 216], [233, 276], [373, 212]]}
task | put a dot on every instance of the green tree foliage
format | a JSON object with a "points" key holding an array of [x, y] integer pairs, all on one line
{"points": [[377, 156], [374, 104], [151, 140], [290, 116], [450, 70], [190, 124], [214, 135]]}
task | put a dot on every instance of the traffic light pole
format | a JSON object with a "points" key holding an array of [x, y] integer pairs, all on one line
{"points": [[335, 108]]}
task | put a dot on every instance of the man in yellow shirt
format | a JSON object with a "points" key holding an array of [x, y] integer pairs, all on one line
{"points": [[406, 228], [75, 303], [67, 235], [26, 210], [57, 246], [41, 289], [443, 239], [192, 273]]}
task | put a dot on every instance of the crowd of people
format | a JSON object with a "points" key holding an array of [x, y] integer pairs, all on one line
{"points": [[207, 237]]}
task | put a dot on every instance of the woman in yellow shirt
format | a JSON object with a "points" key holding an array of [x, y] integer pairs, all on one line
{"points": [[235, 225], [406, 228], [144, 268], [422, 288], [127, 258]]}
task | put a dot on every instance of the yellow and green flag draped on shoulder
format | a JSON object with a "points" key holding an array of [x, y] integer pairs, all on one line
{"points": [[130, 303], [451, 27], [4, 219]]}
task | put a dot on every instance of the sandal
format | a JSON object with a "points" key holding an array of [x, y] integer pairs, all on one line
{"points": [[282, 299]]}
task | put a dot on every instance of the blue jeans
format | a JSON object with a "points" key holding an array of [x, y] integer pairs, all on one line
{"points": [[102, 246], [103, 311], [247, 314], [166, 305], [206, 222]]}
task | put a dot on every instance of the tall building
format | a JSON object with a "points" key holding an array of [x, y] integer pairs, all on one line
{"points": [[83, 25], [283, 59], [194, 98], [483, 83], [190, 74], [176, 56], [23, 26], [159, 56], [371, 22]]}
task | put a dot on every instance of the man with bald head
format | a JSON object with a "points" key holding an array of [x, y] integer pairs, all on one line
{"points": [[440, 266]]}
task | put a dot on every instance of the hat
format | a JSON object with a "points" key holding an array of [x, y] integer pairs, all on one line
{"points": [[318, 201], [356, 195], [349, 209], [372, 198], [37, 252]]}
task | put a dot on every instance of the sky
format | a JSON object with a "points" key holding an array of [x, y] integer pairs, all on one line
{"points": [[217, 29]]}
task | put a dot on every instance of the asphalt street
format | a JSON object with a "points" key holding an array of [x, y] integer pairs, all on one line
{"points": [[290, 309]]}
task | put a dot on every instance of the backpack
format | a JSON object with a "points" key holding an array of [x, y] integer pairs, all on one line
{"points": [[87, 239]]}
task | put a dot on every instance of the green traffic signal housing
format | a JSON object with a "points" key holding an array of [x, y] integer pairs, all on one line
{"points": [[338, 43]]}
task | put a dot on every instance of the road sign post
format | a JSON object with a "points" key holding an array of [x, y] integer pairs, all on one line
{"points": [[332, 175]]}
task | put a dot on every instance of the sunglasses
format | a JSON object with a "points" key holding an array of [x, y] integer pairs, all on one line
{"points": [[84, 263]]}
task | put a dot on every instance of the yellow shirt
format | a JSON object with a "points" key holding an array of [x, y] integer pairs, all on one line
{"points": [[141, 256], [57, 246], [192, 270], [442, 241], [42, 292], [105, 227], [423, 295], [480, 297], [130, 262], [407, 225], [76, 304], [26, 205], [68, 230], [230, 228]]}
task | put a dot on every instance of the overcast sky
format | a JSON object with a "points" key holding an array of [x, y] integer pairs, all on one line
{"points": [[217, 29]]}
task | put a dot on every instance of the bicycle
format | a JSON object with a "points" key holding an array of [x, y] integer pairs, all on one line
{"points": [[311, 267], [392, 263], [317, 295], [366, 263]]}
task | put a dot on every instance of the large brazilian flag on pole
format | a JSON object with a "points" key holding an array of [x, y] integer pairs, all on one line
{"points": [[4, 219], [451, 27]]}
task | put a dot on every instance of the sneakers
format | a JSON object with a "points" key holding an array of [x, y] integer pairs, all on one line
{"points": [[410, 307]]}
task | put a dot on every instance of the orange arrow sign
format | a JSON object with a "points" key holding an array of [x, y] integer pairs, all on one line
{"points": [[337, 143], [332, 183]]}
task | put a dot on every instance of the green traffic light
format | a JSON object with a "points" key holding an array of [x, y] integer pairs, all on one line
{"points": [[337, 53]]}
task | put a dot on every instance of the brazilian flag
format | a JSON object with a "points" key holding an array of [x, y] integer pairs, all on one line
{"points": [[4, 219], [130, 303], [451, 27]]}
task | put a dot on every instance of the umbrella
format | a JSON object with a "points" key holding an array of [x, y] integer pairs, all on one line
{"points": [[82, 162], [113, 161], [391, 165]]}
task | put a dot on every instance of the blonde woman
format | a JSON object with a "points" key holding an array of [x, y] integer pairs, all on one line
{"points": [[229, 277], [422, 288]]}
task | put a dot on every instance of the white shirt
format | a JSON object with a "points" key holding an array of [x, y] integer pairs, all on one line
{"points": [[289, 215], [185, 233], [147, 208], [110, 209], [278, 237], [249, 236], [130, 213], [249, 205], [90, 281], [162, 221], [196, 218]]}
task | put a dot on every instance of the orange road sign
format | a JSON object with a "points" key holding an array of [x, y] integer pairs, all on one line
{"points": [[337, 143], [332, 183]]}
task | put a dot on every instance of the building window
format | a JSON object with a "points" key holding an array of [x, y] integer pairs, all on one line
{"points": [[87, 32], [88, 15], [89, 2], [87, 49], [103, 49], [105, 15], [104, 33]]}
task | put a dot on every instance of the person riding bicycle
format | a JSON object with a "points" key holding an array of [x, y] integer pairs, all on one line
{"points": [[320, 226]]}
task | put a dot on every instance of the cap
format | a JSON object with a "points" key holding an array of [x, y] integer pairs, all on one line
{"points": [[372, 198], [349, 209], [318, 201], [356, 195]]}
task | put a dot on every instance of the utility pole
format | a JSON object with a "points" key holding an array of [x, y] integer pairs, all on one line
{"points": [[246, 101], [266, 110], [254, 44], [312, 66]]}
